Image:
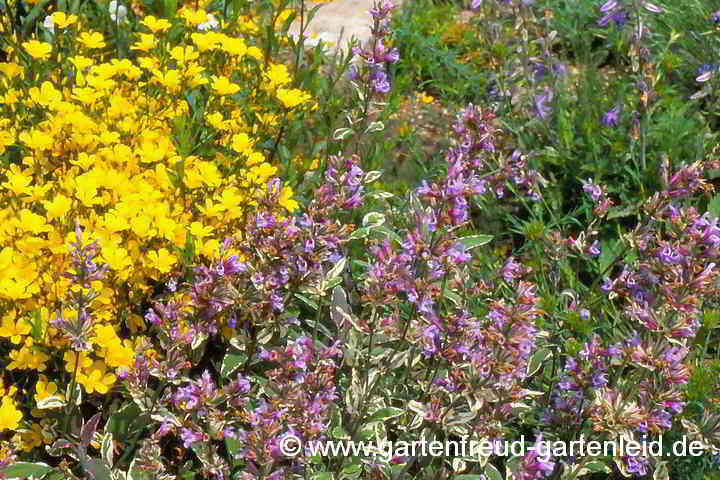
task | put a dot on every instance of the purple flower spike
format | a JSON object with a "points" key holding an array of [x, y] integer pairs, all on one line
{"points": [[610, 119]]}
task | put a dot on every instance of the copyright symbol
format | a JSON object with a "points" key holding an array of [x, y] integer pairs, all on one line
{"points": [[290, 445]]}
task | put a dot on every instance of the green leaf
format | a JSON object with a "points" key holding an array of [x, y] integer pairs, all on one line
{"points": [[452, 296], [359, 233], [336, 270], [135, 473], [597, 466], [620, 212], [97, 469], [390, 233], [307, 301], [26, 470], [231, 362], [373, 220], [233, 447], [714, 206], [492, 473], [107, 449], [385, 413], [120, 422], [536, 360], [322, 476], [473, 241]]}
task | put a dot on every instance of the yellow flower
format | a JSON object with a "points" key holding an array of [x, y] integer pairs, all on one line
{"points": [[146, 42], [86, 191], [58, 207], [291, 98], [38, 50], [14, 330], [156, 25], [36, 140], [286, 200], [46, 95], [425, 98], [84, 362], [32, 222], [117, 258], [170, 80], [205, 41], [234, 46], [92, 40], [9, 415], [277, 76], [199, 231], [11, 70], [193, 17], [255, 158], [97, 380], [222, 86], [45, 389], [28, 358], [142, 226], [184, 54], [162, 260], [60, 20], [81, 63], [18, 182], [241, 143]]}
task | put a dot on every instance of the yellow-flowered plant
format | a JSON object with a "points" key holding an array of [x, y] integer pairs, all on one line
{"points": [[156, 157]]}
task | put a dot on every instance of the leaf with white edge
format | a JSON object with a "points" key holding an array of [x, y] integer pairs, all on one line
{"points": [[53, 401], [310, 303], [714, 206], [25, 471], [135, 473], [375, 127], [385, 414], [473, 241], [393, 235], [88, 429], [359, 234], [231, 362], [342, 133], [452, 296], [97, 470], [458, 465], [107, 449], [597, 466], [381, 195], [537, 359], [322, 476], [373, 220], [340, 308], [371, 176], [492, 473], [469, 476], [661, 471], [234, 448], [336, 270]]}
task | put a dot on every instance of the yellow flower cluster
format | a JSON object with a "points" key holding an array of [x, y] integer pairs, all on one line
{"points": [[148, 156]]}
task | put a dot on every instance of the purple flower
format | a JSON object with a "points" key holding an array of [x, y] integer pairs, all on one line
{"points": [[380, 81], [607, 6], [715, 17], [594, 190], [542, 109], [189, 437], [637, 465], [610, 119]]}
